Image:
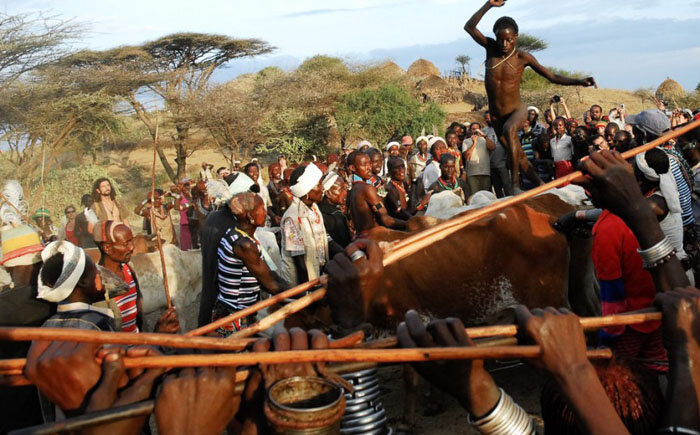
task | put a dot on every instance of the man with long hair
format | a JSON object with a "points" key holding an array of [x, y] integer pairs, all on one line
{"points": [[106, 206]]}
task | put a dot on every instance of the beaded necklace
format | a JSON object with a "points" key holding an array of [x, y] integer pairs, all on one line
{"points": [[446, 186]]}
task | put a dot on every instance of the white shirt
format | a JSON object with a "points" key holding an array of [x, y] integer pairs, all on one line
{"points": [[562, 148], [430, 174]]}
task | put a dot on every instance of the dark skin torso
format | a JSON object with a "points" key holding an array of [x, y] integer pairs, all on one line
{"points": [[362, 199]]}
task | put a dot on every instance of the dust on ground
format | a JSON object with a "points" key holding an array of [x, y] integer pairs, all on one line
{"points": [[521, 381]]}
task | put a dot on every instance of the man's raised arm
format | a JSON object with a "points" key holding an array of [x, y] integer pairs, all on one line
{"points": [[555, 78], [470, 27]]}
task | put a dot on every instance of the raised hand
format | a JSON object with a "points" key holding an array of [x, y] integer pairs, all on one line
{"points": [[466, 380], [611, 182], [497, 3], [589, 81]]}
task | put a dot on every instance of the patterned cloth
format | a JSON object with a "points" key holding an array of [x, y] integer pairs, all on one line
{"points": [[127, 302], [682, 173], [80, 315], [303, 233]]}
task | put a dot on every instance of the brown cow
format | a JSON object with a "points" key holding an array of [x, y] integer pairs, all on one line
{"points": [[482, 271]]}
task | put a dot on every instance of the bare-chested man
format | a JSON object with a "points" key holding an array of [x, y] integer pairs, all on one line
{"points": [[366, 207], [504, 69]]}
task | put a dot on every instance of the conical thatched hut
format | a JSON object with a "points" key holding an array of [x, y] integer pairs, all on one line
{"points": [[390, 68], [669, 89], [423, 68]]}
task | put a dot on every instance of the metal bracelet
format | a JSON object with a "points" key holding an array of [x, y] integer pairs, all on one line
{"points": [[656, 252], [658, 263], [505, 419], [357, 255], [677, 429]]}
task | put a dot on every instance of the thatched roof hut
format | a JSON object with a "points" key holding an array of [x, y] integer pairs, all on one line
{"points": [[423, 68], [669, 89], [390, 68]]}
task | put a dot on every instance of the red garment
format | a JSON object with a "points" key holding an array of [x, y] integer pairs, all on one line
{"points": [[563, 168], [127, 302], [70, 236], [615, 257]]}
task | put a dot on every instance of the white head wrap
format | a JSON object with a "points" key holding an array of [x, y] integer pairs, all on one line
{"points": [[308, 180], [329, 181], [241, 184], [667, 183], [420, 138], [537, 111], [392, 144], [73, 267], [435, 139], [363, 143]]}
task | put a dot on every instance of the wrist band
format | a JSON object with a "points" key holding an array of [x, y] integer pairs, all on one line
{"points": [[357, 255], [657, 254], [505, 419], [144, 202]]}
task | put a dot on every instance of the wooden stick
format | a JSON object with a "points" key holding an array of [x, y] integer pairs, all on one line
{"points": [[109, 415], [416, 242], [154, 221], [22, 215], [279, 297], [344, 355], [128, 338], [587, 323], [280, 314]]}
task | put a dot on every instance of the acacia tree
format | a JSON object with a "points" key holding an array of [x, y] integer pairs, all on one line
{"points": [[177, 69], [28, 41], [463, 61], [531, 43]]}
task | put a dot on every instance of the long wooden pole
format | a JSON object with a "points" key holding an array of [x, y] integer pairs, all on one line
{"points": [[125, 338], [416, 242], [154, 220]]}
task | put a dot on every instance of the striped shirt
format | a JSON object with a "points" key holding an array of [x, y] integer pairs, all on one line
{"points": [[127, 302], [238, 288], [679, 169]]}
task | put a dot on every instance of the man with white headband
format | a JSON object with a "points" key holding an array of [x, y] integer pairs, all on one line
{"points": [[70, 279], [304, 239]]}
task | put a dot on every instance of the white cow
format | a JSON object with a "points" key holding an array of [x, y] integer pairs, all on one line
{"points": [[184, 271]]}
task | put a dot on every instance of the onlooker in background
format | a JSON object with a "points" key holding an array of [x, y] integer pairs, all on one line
{"points": [[623, 141], [562, 149], [84, 222], [106, 205], [580, 142], [571, 126], [304, 240], [68, 228], [396, 200], [610, 131], [596, 114], [432, 170], [222, 173], [454, 146], [533, 113], [335, 192], [42, 219], [186, 209], [202, 207], [597, 143], [475, 150], [393, 149], [417, 162], [406, 149], [448, 180], [498, 157], [163, 217], [556, 100], [236, 166], [205, 173], [617, 116], [375, 159]]}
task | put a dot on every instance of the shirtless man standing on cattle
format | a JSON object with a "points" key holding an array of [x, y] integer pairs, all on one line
{"points": [[366, 207], [504, 69]]}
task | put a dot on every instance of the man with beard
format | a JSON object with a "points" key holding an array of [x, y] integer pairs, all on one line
{"points": [[504, 69], [106, 206]]}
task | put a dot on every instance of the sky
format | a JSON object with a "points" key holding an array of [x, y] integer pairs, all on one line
{"points": [[624, 44]]}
